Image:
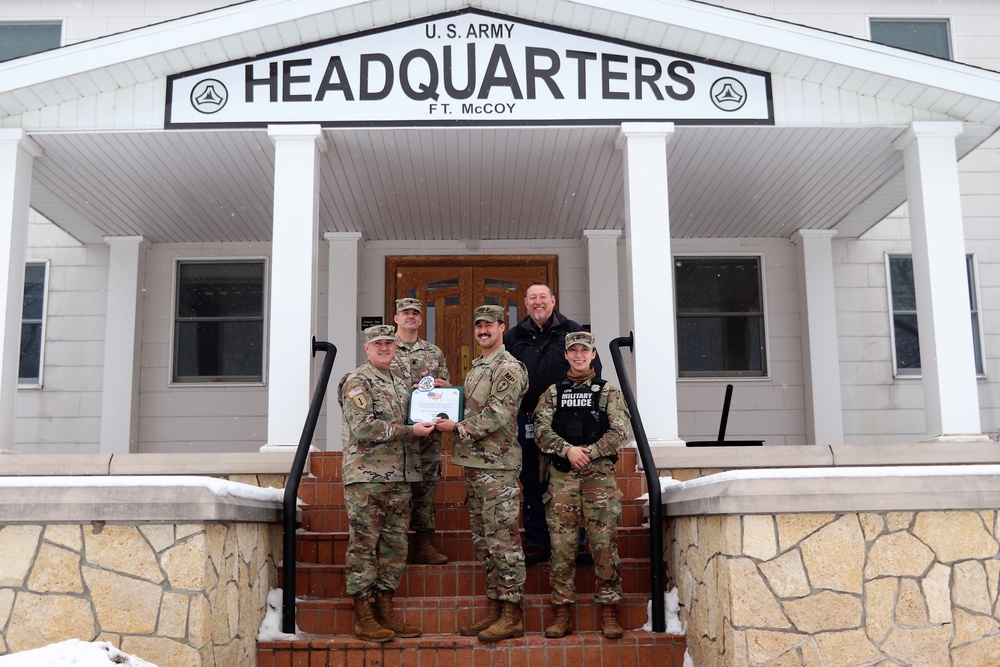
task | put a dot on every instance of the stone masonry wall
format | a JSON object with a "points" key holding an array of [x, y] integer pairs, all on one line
{"points": [[176, 595], [839, 590]]}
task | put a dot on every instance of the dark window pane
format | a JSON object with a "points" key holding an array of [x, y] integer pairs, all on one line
{"points": [[24, 38], [711, 345], [219, 331], [31, 352], [901, 277], [927, 36], [907, 342], [717, 285], [232, 349], [220, 290], [720, 318], [34, 292], [442, 284]]}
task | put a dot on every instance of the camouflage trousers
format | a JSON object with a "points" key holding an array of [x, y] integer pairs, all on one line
{"points": [[377, 544], [493, 512], [587, 498], [425, 490]]}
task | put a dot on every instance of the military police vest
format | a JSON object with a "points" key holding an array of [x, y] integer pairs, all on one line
{"points": [[578, 418]]}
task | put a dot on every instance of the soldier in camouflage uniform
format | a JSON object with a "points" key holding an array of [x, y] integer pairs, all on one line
{"points": [[415, 359], [581, 422], [381, 458], [486, 444]]}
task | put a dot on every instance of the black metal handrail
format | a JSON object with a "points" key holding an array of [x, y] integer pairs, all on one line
{"points": [[652, 483], [292, 486]]}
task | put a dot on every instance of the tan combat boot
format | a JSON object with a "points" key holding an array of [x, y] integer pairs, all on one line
{"points": [[509, 626], [424, 551], [492, 616], [561, 625], [365, 625], [388, 620], [609, 622]]}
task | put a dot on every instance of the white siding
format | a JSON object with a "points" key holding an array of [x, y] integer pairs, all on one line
{"points": [[63, 416]]}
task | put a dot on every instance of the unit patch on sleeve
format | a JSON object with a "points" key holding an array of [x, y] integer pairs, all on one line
{"points": [[503, 384], [358, 398]]}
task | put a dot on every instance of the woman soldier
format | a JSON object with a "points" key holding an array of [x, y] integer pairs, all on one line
{"points": [[581, 422]]}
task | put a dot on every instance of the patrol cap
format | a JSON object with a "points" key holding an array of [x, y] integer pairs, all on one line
{"points": [[584, 338], [403, 304], [489, 314], [380, 332]]}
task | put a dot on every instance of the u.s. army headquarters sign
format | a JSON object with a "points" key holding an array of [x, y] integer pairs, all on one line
{"points": [[468, 68]]}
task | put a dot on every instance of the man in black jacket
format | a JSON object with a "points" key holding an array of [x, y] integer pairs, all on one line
{"points": [[538, 342]]}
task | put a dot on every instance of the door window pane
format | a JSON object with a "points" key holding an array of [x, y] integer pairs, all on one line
{"points": [[219, 325], [928, 36], [22, 38], [720, 316], [29, 370]]}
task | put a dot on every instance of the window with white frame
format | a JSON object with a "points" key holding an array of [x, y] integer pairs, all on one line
{"points": [[929, 36], [903, 313], [219, 321], [720, 316], [23, 38], [29, 369]]}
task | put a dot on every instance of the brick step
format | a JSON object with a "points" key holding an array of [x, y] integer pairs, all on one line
{"points": [[450, 491], [463, 579], [636, 648], [332, 518], [329, 466], [436, 615], [330, 548]]}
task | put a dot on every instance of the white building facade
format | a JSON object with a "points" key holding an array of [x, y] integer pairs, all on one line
{"points": [[167, 265]]}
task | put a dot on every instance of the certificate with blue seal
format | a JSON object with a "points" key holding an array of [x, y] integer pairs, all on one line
{"points": [[426, 405]]}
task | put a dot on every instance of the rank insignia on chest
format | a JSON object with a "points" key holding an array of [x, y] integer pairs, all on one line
{"points": [[358, 397]]}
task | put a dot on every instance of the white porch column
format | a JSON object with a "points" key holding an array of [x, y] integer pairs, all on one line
{"points": [[17, 154], [343, 321], [820, 357], [123, 345], [605, 314], [947, 359], [294, 260], [651, 278]]}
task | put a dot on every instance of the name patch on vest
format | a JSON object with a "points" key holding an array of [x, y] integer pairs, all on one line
{"points": [[572, 399]]}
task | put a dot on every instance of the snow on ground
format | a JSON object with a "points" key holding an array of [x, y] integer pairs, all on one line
{"points": [[73, 653]]}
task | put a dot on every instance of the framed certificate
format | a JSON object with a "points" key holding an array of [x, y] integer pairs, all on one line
{"points": [[428, 405]]}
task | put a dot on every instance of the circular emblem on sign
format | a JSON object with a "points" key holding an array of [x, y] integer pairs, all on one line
{"points": [[209, 96], [728, 94]]}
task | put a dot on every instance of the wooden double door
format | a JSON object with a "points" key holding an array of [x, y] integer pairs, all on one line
{"points": [[452, 287]]}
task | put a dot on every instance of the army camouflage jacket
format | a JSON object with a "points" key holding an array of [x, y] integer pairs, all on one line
{"points": [[378, 444], [419, 359], [487, 437], [610, 401]]}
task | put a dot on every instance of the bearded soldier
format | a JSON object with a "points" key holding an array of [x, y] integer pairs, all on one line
{"points": [[581, 422], [416, 359], [486, 445], [381, 458]]}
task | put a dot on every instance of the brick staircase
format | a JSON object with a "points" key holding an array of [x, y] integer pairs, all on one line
{"points": [[441, 598]]}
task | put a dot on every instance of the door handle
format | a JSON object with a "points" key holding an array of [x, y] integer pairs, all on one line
{"points": [[466, 360]]}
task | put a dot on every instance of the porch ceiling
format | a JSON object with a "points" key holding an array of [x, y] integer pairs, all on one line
{"points": [[468, 183]]}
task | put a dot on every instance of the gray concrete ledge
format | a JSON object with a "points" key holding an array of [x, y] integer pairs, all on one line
{"points": [[809, 456], [907, 488], [219, 464], [130, 504]]}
